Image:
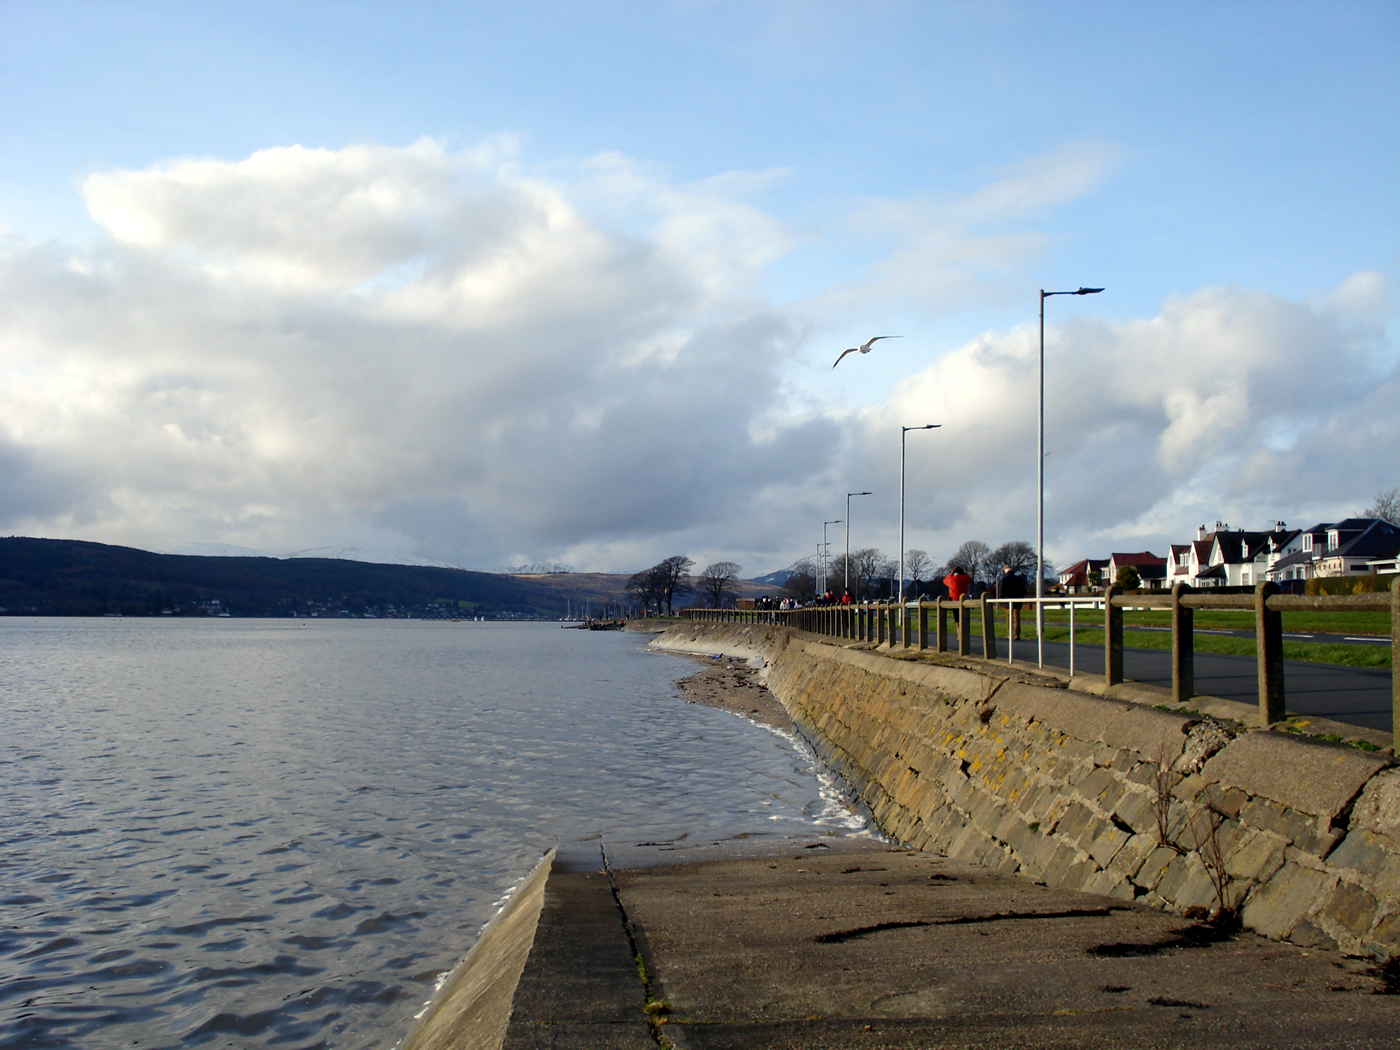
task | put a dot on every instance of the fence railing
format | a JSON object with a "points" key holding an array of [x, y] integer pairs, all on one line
{"points": [[924, 624]]}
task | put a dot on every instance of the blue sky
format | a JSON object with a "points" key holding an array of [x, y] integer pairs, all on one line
{"points": [[785, 179]]}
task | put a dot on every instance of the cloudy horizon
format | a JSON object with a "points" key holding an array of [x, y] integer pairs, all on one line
{"points": [[492, 349]]}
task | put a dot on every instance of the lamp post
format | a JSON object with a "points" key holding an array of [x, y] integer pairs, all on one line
{"points": [[848, 536], [1040, 484], [825, 549], [902, 431]]}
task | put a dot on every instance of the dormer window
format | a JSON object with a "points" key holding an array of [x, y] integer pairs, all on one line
{"points": [[1307, 541], [1333, 539]]}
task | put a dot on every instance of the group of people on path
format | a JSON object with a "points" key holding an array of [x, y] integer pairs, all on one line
{"points": [[1010, 585]]}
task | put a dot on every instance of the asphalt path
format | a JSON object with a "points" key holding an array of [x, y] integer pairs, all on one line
{"points": [[1356, 695]]}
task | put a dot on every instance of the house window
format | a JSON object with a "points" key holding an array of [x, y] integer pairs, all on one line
{"points": [[1244, 578], [1307, 542]]}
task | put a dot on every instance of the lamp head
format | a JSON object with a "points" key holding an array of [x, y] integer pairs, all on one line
{"points": [[1088, 291]]}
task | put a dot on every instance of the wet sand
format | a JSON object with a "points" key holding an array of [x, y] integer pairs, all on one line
{"points": [[731, 685]]}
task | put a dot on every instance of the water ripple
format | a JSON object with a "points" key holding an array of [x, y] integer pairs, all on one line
{"points": [[269, 833]]}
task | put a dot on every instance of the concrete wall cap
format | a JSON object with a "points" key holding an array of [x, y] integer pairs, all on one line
{"points": [[1312, 777]]}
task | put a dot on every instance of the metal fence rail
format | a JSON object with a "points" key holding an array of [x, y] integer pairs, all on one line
{"points": [[924, 624]]}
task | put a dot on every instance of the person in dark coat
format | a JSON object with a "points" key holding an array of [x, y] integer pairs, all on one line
{"points": [[1011, 586]]}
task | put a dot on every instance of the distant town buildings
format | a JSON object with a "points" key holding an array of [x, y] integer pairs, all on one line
{"points": [[1225, 557]]}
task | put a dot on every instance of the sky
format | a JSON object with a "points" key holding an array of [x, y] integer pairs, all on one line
{"points": [[495, 284]]}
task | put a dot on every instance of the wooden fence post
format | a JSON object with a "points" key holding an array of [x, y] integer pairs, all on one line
{"points": [[989, 629], [940, 623], [1183, 647], [1112, 637], [1395, 661], [1268, 640], [921, 627], [964, 635]]}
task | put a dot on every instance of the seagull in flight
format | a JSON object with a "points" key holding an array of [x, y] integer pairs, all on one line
{"points": [[864, 347]]}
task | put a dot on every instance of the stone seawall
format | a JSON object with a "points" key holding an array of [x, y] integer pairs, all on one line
{"points": [[1300, 838]]}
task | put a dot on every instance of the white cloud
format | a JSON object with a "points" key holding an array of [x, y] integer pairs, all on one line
{"points": [[391, 347], [1230, 403], [441, 353], [952, 249]]}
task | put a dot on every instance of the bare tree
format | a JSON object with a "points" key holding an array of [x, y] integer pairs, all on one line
{"points": [[645, 589], [802, 584], [717, 580], [673, 578], [917, 566], [1019, 554], [975, 557], [1386, 507], [866, 566]]}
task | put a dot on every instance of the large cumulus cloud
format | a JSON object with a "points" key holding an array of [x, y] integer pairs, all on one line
{"points": [[1230, 404], [389, 346], [442, 353]]}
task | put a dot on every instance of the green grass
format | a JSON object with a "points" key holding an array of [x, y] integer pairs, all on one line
{"points": [[1313, 652], [1306, 622]]}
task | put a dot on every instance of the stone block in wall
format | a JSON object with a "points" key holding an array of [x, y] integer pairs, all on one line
{"points": [[1307, 935], [1017, 834], [1351, 909], [987, 812], [1077, 875], [1128, 861], [1256, 857], [1092, 786], [1365, 853], [1278, 905], [1076, 821], [1308, 834], [1138, 810], [1106, 884], [1144, 775], [1313, 777], [1155, 866], [1107, 843], [1385, 934]]}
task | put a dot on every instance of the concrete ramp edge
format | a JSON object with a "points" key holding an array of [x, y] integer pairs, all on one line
{"points": [[472, 1009]]}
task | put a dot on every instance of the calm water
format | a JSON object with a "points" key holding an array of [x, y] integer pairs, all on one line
{"points": [[244, 833]]}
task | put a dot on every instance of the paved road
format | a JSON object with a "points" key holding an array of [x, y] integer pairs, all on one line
{"points": [[1356, 695]]}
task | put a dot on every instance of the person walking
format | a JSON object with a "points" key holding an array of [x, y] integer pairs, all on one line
{"points": [[957, 583], [1011, 586]]}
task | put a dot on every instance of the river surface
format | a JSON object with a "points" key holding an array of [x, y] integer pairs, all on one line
{"points": [[282, 833]]}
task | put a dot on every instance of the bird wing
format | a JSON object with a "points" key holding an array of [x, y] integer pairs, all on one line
{"points": [[865, 348], [844, 353]]}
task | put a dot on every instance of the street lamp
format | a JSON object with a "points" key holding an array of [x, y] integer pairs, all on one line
{"points": [[825, 549], [848, 536], [902, 431], [1040, 480]]}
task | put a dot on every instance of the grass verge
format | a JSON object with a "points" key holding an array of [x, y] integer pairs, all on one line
{"points": [[1377, 656]]}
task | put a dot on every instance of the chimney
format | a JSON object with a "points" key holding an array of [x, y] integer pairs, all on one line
{"points": [[1200, 532]]}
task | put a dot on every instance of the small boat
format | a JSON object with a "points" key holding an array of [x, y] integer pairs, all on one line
{"points": [[596, 625]]}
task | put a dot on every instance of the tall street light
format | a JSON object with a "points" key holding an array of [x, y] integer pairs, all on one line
{"points": [[825, 549], [1040, 480], [848, 536], [902, 431]]}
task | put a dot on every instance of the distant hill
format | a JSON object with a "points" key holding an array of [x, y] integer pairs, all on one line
{"points": [[78, 578], [780, 577]]}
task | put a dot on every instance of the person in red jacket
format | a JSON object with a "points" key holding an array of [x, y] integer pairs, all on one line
{"points": [[957, 583]]}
